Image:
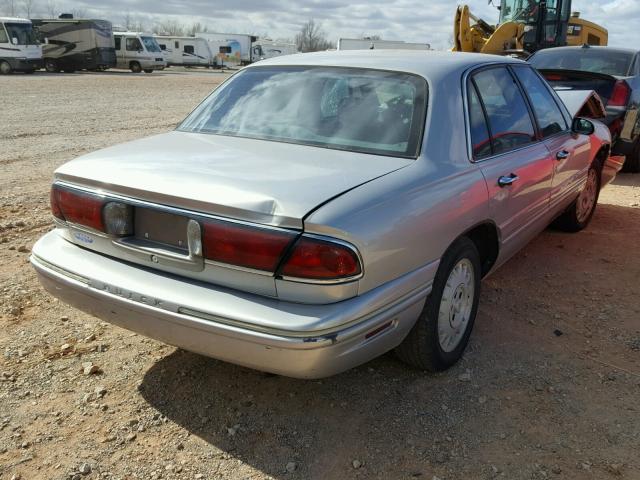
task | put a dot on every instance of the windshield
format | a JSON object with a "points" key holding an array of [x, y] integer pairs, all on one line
{"points": [[527, 11], [23, 32], [593, 60], [150, 44], [358, 110]]}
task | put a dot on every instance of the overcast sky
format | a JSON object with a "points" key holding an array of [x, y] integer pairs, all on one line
{"points": [[410, 20]]}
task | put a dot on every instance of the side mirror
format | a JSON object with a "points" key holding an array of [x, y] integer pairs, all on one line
{"points": [[14, 40], [582, 126]]}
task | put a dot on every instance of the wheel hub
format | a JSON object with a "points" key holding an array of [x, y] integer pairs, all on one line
{"points": [[456, 305]]}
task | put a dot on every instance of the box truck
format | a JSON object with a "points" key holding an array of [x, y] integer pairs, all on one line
{"points": [[230, 48]]}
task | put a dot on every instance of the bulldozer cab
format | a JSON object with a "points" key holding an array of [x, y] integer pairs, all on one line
{"points": [[545, 21]]}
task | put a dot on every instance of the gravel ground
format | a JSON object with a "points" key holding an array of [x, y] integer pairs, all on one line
{"points": [[549, 387]]}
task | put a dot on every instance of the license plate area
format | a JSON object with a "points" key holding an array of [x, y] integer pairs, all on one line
{"points": [[162, 229]]}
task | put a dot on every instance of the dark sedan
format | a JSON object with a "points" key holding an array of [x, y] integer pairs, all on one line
{"points": [[614, 73]]}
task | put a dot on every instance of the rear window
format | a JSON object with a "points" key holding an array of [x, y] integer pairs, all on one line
{"points": [[609, 62], [359, 110]]}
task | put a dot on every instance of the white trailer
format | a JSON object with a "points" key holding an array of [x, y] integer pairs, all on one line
{"points": [[369, 44], [20, 50], [186, 51], [263, 49], [230, 48]]}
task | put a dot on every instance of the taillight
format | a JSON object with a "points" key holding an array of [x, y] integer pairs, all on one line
{"points": [[244, 246], [620, 94], [553, 77], [316, 259], [78, 208]]}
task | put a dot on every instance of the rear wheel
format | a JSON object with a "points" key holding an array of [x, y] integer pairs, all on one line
{"points": [[5, 68], [135, 67], [441, 333], [148, 70], [579, 214], [51, 66], [632, 162]]}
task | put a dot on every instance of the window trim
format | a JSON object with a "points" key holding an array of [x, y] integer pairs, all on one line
{"points": [[466, 77], [537, 126]]}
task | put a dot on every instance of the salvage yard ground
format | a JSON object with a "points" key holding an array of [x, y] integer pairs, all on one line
{"points": [[549, 387]]}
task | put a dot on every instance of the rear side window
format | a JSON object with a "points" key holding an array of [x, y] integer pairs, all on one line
{"points": [[548, 114], [480, 140], [118, 41], [509, 121], [189, 49], [133, 44]]}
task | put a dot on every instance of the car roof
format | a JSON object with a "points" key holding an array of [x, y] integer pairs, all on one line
{"points": [[590, 47], [421, 62]]}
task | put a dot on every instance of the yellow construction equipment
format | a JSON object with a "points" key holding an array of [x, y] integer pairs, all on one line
{"points": [[525, 26]]}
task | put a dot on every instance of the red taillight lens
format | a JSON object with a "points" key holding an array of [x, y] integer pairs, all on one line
{"points": [[620, 94], [321, 260], [245, 246], [553, 77], [79, 208]]}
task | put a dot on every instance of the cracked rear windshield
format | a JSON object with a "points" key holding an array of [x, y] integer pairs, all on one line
{"points": [[359, 110]]}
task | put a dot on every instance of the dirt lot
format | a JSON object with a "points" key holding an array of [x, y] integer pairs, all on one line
{"points": [[548, 389]]}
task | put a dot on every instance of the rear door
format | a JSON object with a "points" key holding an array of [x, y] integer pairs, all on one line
{"points": [[515, 163], [570, 153]]}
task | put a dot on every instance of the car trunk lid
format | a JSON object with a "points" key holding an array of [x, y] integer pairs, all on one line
{"points": [[258, 181], [603, 84]]}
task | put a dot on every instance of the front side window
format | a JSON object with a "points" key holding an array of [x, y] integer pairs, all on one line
{"points": [[509, 120], [358, 110], [23, 32], [133, 45], [548, 114], [3, 35]]}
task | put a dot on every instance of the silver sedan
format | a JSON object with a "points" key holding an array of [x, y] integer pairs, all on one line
{"points": [[319, 210]]}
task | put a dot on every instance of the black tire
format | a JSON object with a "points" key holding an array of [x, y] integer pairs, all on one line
{"points": [[422, 348], [135, 67], [632, 162], [578, 216], [148, 70], [5, 68], [69, 70], [51, 66]]}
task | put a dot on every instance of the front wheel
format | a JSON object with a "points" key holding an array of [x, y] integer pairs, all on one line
{"points": [[135, 67], [51, 66], [579, 214], [441, 333], [5, 68]]}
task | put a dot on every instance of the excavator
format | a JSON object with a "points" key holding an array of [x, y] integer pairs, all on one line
{"points": [[524, 27]]}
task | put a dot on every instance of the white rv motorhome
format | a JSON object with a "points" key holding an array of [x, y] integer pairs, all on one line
{"points": [[186, 51], [20, 50], [369, 44], [230, 48], [263, 49], [138, 52]]}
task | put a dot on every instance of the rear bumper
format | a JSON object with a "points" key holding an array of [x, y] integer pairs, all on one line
{"points": [[158, 306]]}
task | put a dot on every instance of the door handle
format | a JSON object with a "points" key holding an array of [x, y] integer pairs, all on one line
{"points": [[507, 180], [562, 155]]}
